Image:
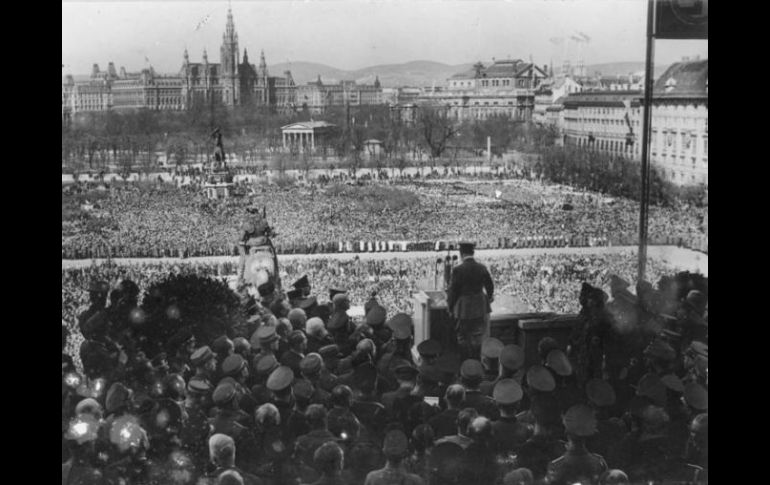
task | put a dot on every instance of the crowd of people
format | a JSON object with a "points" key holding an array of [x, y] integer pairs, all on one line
{"points": [[303, 393], [135, 220], [546, 283]]}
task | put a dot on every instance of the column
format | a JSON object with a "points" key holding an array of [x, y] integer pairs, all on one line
{"points": [[284, 140], [312, 140]]}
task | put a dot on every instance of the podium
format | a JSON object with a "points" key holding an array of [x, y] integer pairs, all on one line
{"points": [[511, 322]]}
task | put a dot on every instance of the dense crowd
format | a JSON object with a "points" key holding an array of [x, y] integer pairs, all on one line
{"points": [[302, 393], [160, 220], [547, 283]]}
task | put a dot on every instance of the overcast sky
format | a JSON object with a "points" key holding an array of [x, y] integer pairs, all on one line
{"points": [[353, 34]]}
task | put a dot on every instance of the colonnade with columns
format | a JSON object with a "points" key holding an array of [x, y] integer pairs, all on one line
{"points": [[303, 139]]}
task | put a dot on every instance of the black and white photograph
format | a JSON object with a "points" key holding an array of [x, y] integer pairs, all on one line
{"points": [[384, 242]]}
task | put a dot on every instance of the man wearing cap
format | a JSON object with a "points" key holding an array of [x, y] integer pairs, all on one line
{"points": [[297, 347], [298, 319], [230, 420], [375, 319], [491, 349], [279, 383], [395, 448], [577, 464], [193, 434], [237, 368], [471, 374], [429, 351], [205, 364], [510, 435], [340, 325], [399, 350], [266, 340], [310, 368], [469, 297]]}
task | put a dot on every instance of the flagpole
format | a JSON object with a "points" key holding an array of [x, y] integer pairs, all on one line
{"points": [[646, 122]]}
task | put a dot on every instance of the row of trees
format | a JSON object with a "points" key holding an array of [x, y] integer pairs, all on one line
{"points": [[611, 174]]}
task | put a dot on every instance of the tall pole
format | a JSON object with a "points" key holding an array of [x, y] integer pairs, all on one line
{"points": [[646, 122]]}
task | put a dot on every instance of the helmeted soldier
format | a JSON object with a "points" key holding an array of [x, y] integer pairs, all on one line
{"points": [[491, 348]]}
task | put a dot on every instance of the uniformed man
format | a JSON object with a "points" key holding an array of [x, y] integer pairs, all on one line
{"points": [[375, 319], [429, 351], [265, 339], [279, 383], [469, 297], [471, 375], [230, 420], [193, 434], [509, 434], [297, 348], [481, 465], [181, 345], [310, 368], [205, 364], [398, 351], [340, 325], [395, 449], [491, 349], [577, 464], [237, 368]]}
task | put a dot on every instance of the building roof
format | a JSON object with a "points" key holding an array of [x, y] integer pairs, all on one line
{"points": [[502, 68], [684, 80], [606, 99], [308, 125]]}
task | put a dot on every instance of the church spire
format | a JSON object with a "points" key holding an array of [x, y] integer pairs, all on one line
{"points": [[245, 56], [262, 64]]}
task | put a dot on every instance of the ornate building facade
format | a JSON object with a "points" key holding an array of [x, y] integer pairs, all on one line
{"points": [[317, 96], [505, 87], [230, 82]]}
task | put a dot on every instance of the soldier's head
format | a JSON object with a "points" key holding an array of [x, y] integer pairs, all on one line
{"points": [[464, 419], [280, 308], [242, 347], [316, 416], [174, 387], [454, 396], [222, 450], [204, 360], [329, 459]]}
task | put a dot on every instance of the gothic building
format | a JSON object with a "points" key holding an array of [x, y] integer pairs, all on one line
{"points": [[232, 81]]}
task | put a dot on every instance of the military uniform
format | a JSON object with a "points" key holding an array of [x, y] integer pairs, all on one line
{"points": [[577, 464], [395, 446]]}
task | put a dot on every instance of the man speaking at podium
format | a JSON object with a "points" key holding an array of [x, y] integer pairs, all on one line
{"points": [[469, 299]]}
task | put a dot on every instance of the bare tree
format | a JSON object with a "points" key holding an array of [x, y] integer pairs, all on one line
{"points": [[437, 128]]}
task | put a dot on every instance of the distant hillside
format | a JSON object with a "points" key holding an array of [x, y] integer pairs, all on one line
{"points": [[415, 73]]}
